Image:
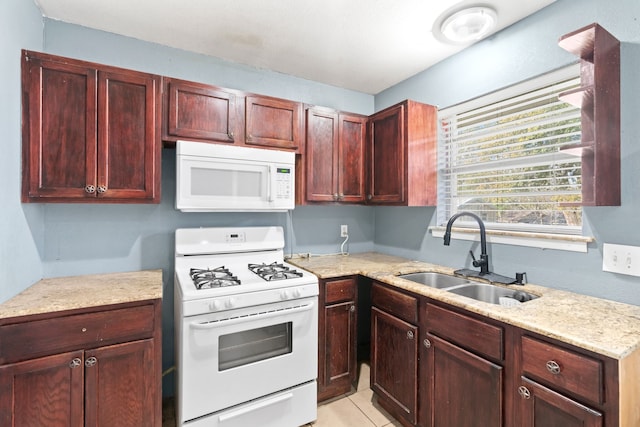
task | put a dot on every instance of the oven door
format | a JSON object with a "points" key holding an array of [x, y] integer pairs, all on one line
{"points": [[234, 356]]}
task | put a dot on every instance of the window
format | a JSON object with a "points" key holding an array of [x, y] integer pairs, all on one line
{"points": [[506, 157]]}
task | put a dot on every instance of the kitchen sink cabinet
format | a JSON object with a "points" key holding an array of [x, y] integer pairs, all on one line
{"points": [[335, 156], [274, 123], [402, 155], [464, 377], [394, 352], [100, 367], [337, 339], [91, 133], [201, 112]]}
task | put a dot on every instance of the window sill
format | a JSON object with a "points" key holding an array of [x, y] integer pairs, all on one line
{"points": [[533, 240]]}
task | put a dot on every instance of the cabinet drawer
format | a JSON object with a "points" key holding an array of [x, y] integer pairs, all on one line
{"points": [[339, 290], [400, 305], [564, 369], [466, 331], [37, 338]]}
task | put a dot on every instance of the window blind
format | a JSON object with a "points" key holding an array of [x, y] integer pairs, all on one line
{"points": [[506, 160]]}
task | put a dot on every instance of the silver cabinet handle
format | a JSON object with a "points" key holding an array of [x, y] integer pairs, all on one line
{"points": [[553, 367], [102, 189], [75, 362], [369, 197], [409, 335], [524, 392], [90, 189], [90, 362], [335, 196], [230, 135], [426, 343], [340, 196], [352, 308]]}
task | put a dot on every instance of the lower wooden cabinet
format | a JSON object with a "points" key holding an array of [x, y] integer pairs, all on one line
{"points": [[101, 371], [337, 339], [394, 352], [463, 389]]}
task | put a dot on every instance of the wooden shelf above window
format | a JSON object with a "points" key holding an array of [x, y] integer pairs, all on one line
{"points": [[599, 101]]}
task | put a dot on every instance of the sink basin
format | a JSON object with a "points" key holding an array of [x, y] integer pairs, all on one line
{"points": [[492, 294], [435, 280]]}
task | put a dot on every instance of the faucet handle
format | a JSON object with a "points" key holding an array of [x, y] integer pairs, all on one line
{"points": [[475, 261]]}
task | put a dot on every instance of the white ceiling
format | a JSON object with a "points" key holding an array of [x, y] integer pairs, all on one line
{"points": [[364, 45]]}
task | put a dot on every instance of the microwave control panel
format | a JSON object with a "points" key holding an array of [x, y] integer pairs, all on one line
{"points": [[284, 182]]}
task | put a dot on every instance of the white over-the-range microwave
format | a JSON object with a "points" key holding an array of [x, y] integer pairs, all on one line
{"points": [[226, 178]]}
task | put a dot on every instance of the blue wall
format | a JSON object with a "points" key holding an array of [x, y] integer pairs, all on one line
{"points": [[21, 227], [57, 239], [522, 51]]}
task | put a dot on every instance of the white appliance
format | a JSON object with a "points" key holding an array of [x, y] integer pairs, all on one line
{"points": [[246, 330], [227, 178]]}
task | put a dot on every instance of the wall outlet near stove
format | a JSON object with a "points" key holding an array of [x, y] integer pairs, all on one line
{"points": [[621, 259], [344, 230]]}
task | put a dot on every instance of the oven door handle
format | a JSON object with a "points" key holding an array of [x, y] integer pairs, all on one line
{"points": [[277, 399], [251, 317]]}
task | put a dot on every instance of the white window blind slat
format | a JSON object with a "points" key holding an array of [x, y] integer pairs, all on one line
{"points": [[503, 158]]}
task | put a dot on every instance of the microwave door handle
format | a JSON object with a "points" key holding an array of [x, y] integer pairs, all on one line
{"points": [[270, 184]]}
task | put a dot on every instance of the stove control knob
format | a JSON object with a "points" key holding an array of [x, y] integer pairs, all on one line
{"points": [[284, 295], [230, 303], [296, 293], [215, 305]]}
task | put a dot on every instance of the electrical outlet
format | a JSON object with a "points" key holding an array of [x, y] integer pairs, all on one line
{"points": [[621, 259], [344, 230]]}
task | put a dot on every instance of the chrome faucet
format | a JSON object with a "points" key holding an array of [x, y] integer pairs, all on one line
{"points": [[483, 262]]}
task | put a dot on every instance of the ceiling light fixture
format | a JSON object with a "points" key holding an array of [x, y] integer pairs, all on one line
{"points": [[468, 24]]}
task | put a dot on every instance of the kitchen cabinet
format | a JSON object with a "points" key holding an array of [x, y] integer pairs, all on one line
{"points": [[335, 156], [94, 367], [394, 351], [564, 386], [274, 123], [599, 99], [463, 381], [201, 112], [91, 133], [402, 155], [337, 337]]}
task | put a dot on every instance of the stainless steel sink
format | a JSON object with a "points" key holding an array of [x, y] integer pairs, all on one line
{"points": [[435, 280], [492, 294]]}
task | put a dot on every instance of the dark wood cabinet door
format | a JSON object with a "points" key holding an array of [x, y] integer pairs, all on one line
{"points": [[272, 122], [386, 156], [339, 352], [352, 132], [463, 390], [542, 407], [120, 385], [59, 129], [322, 156], [394, 364], [199, 111], [43, 392], [128, 136]]}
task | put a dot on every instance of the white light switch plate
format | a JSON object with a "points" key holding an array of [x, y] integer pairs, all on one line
{"points": [[621, 259]]}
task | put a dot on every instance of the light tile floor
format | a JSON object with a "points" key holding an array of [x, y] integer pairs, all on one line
{"points": [[359, 409]]}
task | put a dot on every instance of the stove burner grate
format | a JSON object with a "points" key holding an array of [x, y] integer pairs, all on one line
{"points": [[274, 271], [206, 278]]}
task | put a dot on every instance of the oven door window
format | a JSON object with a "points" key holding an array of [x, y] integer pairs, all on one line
{"points": [[250, 346]]}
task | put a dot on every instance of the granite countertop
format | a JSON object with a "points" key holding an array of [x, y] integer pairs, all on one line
{"points": [[74, 292], [605, 327]]}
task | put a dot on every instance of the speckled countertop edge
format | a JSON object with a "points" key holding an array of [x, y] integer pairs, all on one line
{"points": [[75, 292], [605, 327]]}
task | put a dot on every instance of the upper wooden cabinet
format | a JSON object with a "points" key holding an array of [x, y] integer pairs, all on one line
{"points": [[274, 123], [90, 133], [335, 156], [402, 155], [599, 100], [201, 112]]}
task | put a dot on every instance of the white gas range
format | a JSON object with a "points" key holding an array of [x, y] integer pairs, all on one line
{"points": [[246, 326]]}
